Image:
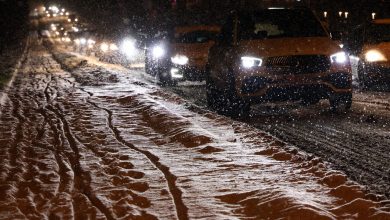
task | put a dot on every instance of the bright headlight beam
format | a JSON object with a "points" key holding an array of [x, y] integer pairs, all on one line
{"points": [[113, 47], [179, 60], [374, 56], [104, 47], [249, 62], [128, 47], [83, 41], [90, 41], [340, 57], [158, 52]]}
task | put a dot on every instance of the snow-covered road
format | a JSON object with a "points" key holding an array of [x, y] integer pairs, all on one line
{"points": [[85, 140]]}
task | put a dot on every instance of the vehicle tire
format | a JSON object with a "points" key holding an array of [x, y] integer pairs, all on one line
{"points": [[149, 67], [226, 101], [212, 94], [340, 102], [363, 82], [165, 79]]}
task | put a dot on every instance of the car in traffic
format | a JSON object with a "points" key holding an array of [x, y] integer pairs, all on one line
{"points": [[190, 49], [374, 53], [157, 59], [276, 55]]}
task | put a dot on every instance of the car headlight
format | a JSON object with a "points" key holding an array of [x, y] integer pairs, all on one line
{"points": [[83, 41], [158, 52], [340, 57], [128, 47], [113, 47], [104, 47], [249, 62], [91, 42], [374, 56], [179, 60]]}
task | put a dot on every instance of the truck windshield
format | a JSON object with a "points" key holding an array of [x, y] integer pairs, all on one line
{"points": [[196, 37], [377, 33], [283, 23]]}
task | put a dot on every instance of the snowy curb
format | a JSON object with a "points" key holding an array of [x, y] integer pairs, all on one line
{"points": [[3, 93]]}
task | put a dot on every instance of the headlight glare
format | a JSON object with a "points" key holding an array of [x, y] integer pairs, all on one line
{"points": [[128, 47], [249, 62], [91, 42], [374, 56], [113, 47], [179, 60], [104, 47], [83, 41], [340, 57], [158, 52]]}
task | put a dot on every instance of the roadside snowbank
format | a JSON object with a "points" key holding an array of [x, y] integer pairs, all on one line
{"points": [[224, 168]]}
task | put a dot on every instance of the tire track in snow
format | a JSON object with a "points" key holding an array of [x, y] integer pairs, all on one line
{"points": [[82, 179], [181, 208], [308, 137]]}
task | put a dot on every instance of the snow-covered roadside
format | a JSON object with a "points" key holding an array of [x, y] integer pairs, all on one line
{"points": [[224, 168], [10, 62]]}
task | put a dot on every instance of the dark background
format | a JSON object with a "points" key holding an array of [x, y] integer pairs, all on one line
{"points": [[13, 22], [141, 18]]}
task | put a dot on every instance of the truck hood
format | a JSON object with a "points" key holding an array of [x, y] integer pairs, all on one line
{"points": [[192, 50], [289, 47]]}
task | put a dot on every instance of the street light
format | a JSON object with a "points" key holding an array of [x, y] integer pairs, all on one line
{"points": [[373, 15], [325, 14], [346, 14], [340, 13]]}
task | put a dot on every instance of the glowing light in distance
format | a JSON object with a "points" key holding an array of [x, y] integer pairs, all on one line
{"points": [[104, 47], [374, 56], [113, 46], [128, 47]]}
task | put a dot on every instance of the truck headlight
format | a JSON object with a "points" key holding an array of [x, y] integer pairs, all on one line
{"points": [[340, 57], [104, 47], [91, 42], [179, 60], [158, 52], [249, 62], [128, 47], [113, 47], [83, 41], [374, 56]]}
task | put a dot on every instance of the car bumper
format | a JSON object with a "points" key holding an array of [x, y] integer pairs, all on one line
{"points": [[261, 86], [377, 72], [191, 73]]}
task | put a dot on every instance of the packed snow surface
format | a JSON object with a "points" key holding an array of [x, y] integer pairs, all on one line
{"points": [[83, 140]]}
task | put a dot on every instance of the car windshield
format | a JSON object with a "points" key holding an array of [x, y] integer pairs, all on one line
{"points": [[196, 37], [378, 33], [280, 24]]}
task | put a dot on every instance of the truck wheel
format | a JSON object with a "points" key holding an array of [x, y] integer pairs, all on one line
{"points": [[149, 67], [363, 82], [226, 101], [164, 78], [340, 102], [212, 94]]}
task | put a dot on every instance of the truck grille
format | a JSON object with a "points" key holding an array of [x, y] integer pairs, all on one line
{"points": [[302, 64]]}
